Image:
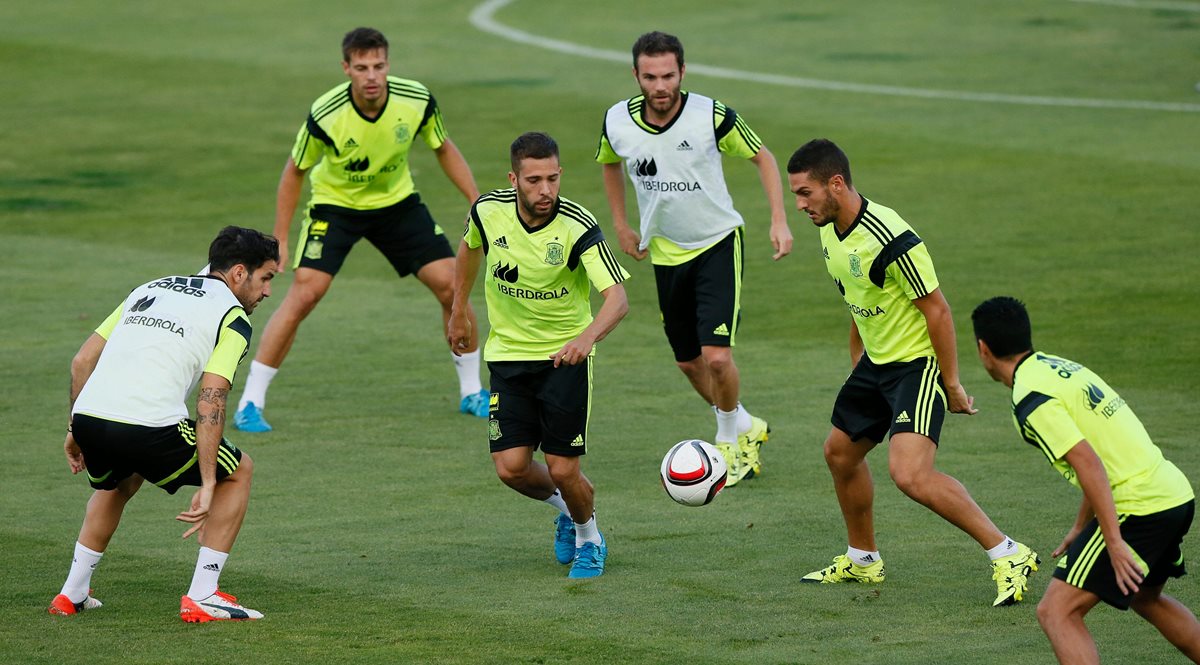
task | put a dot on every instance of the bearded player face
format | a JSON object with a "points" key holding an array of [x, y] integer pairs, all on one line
{"points": [[536, 182], [660, 78]]}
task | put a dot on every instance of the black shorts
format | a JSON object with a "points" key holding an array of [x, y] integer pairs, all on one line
{"points": [[700, 300], [1155, 538], [405, 233], [165, 456], [896, 397], [535, 403]]}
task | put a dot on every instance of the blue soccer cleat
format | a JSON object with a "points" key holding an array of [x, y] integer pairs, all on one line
{"points": [[564, 538], [250, 419], [589, 560], [475, 404]]}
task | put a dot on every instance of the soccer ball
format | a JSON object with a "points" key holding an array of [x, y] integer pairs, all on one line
{"points": [[693, 472]]}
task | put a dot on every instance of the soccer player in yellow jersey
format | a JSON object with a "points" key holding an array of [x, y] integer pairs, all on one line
{"points": [[543, 255], [1136, 507], [356, 141], [904, 371], [670, 142]]}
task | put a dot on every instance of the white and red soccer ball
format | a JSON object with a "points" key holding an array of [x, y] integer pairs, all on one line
{"points": [[693, 472]]}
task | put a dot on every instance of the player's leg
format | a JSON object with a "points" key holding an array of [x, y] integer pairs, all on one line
{"points": [[320, 253], [565, 397], [100, 522], [514, 431], [1060, 614], [414, 244], [1172, 618], [910, 462]]}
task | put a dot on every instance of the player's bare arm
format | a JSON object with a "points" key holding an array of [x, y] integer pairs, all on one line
{"points": [[210, 426], [291, 182], [614, 189], [940, 323], [1084, 516], [768, 173], [616, 305], [1093, 480], [856, 345], [82, 366], [455, 166], [466, 268]]}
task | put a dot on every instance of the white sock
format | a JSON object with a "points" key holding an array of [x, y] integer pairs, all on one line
{"points": [[862, 557], [80, 577], [726, 426], [256, 386], [556, 500], [587, 532], [1007, 547], [743, 419], [208, 571], [467, 366]]}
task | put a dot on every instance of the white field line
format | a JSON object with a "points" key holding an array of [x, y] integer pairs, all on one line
{"points": [[483, 17]]}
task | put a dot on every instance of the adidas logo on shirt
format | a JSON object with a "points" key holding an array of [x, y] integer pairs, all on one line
{"points": [[501, 242], [350, 143], [684, 146], [721, 330], [903, 418]]}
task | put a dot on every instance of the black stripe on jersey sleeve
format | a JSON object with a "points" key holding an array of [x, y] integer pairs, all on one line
{"points": [[603, 135], [315, 130], [1028, 404], [479, 223], [610, 262], [430, 109], [876, 228], [909, 268], [333, 104], [589, 239], [405, 90], [892, 251], [748, 135], [727, 122], [573, 211], [242, 327]]}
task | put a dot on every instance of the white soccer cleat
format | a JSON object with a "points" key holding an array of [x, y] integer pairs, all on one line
{"points": [[218, 607]]}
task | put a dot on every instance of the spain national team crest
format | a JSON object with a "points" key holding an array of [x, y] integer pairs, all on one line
{"points": [[855, 265], [554, 253], [403, 133], [493, 429], [313, 249]]}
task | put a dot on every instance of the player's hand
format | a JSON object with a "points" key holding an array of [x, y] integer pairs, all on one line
{"points": [[781, 240], [1129, 573], [575, 352], [458, 332], [74, 454], [198, 514], [959, 401], [1066, 542], [630, 242]]}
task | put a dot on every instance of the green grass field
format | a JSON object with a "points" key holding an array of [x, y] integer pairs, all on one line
{"points": [[378, 532]]}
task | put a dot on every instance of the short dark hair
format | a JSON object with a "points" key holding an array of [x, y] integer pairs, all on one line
{"points": [[822, 159], [1003, 323], [658, 43], [235, 244], [360, 40], [532, 145]]}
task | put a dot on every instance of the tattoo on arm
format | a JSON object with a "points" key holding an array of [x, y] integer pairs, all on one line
{"points": [[215, 398]]}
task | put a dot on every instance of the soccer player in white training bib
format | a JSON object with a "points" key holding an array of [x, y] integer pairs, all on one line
{"points": [[129, 422], [356, 141], [671, 142], [541, 255]]}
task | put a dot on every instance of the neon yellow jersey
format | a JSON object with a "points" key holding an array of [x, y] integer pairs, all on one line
{"points": [[1057, 403], [359, 162], [536, 279], [880, 266]]}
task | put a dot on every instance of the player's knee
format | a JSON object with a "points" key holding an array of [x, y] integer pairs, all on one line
{"points": [[718, 358], [908, 480], [691, 367], [1047, 614], [513, 476]]}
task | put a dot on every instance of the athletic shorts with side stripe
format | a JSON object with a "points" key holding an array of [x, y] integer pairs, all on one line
{"points": [[1155, 540], [534, 403], [404, 233], [165, 456], [892, 397], [700, 300]]}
